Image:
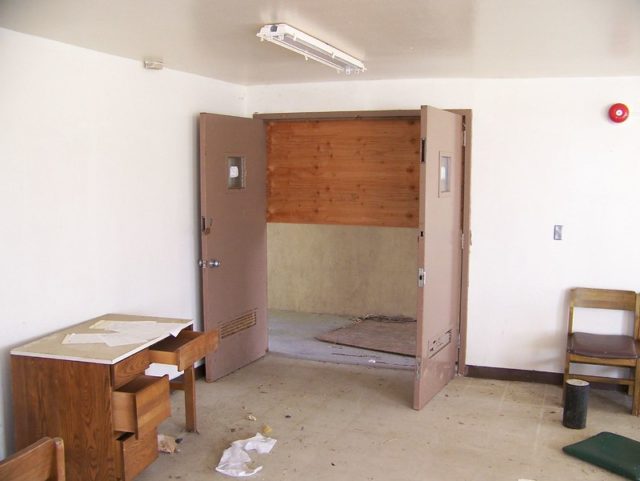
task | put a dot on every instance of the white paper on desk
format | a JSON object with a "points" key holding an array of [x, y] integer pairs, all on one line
{"points": [[151, 331], [111, 325], [172, 328], [111, 340], [235, 458], [74, 338], [143, 329], [117, 339], [175, 328]]}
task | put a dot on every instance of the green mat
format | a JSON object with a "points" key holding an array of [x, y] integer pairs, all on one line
{"points": [[610, 451]]}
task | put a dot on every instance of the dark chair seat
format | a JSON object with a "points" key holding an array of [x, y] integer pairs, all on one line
{"points": [[608, 346]]}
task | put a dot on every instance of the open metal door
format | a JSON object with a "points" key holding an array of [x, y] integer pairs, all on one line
{"points": [[234, 239], [439, 252]]}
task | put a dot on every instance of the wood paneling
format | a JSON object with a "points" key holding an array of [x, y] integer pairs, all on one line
{"points": [[350, 172]]}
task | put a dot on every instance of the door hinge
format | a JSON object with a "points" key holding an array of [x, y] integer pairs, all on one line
{"points": [[421, 276], [423, 150], [464, 136], [418, 368], [462, 240]]}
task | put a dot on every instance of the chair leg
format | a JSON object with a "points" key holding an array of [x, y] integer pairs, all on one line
{"points": [[60, 466], [190, 398], [635, 400]]}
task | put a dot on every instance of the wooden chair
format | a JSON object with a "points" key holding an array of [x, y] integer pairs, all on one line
{"points": [[615, 350], [41, 461]]}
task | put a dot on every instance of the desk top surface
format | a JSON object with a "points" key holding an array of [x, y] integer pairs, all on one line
{"points": [[132, 334]]}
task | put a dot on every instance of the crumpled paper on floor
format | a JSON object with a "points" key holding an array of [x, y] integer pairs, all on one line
{"points": [[235, 458], [167, 444]]}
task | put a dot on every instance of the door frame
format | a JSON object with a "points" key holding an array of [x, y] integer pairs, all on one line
{"points": [[466, 199]]}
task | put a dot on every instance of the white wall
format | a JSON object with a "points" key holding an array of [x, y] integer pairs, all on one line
{"points": [[98, 190], [544, 153]]}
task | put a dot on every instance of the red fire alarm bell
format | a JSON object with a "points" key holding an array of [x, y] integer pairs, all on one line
{"points": [[618, 113]]}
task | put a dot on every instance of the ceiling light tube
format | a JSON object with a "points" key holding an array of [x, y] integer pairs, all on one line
{"points": [[293, 39]]}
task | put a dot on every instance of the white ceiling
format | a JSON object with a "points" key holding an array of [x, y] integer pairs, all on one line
{"points": [[395, 38]]}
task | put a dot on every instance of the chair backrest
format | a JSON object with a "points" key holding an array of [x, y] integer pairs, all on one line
{"points": [[41, 461], [606, 299]]}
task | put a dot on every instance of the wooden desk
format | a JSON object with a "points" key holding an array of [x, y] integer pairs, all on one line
{"points": [[97, 398]]}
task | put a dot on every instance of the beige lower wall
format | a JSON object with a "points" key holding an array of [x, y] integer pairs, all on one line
{"points": [[348, 270]]}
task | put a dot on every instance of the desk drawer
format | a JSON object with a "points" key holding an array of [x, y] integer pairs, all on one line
{"points": [[136, 454], [130, 368], [185, 349], [140, 405]]}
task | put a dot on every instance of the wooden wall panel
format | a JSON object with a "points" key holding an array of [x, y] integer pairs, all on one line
{"points": [[350, 172]]}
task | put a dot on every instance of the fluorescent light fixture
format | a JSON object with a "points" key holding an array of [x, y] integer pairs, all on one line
{"points": [[288, 37]]}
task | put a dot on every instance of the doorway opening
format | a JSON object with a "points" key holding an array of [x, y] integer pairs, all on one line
{"points": [[343, 191]]}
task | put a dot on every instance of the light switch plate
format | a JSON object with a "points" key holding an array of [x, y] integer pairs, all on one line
{"points": [[557, 232]]}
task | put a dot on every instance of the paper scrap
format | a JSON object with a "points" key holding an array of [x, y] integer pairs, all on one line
{"points": [[147, 329], [117, 339], [167, 444], [235, 459], [107, 324], [111, 339], [74, 338]]}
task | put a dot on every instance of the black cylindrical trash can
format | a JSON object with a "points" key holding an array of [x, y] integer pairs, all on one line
{"points": [[576, 399]]}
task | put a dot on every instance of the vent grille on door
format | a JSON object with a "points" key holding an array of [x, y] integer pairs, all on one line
{"points": [[241, 323]]}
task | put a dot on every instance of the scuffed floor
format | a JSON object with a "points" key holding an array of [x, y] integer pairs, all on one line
{"points": [[344, 422], [292, 334]]}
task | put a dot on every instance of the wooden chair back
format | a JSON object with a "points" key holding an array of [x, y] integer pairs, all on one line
{"points": [[41, 461], [605, 299]]}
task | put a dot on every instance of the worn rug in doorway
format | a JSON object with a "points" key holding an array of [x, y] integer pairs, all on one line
{"points": [[396, 335]]}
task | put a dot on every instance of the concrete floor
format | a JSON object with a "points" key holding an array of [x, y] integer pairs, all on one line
{"points": [[343, 422], [292, 334]]}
